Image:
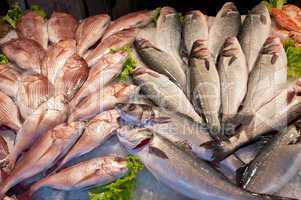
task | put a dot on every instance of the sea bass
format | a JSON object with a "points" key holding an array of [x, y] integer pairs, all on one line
{"points": [[254, 32], [9, 77], [226, 24]]}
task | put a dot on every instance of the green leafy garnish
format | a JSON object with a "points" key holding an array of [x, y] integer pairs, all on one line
{"points": [[3, 59], [122, 188], [293, 54], [274, 3], [181, 18], [156, 14], [13, 15], [38, 10]]}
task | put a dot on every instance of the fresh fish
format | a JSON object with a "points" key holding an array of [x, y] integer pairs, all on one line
{"points": [[254, 32], [161, 62], [267, 77], [33, 26], [163, 92], [226, 24], [90, 31], [97, 171], [44, 153], [48, 115], [118, 40], [249, 152], [28, 54], [179, 170], [102, 100], [9, 77], [97, 131], [131, 20], [72, 76], [195, 27], [205, 85], [275, 165], [233, 73], [33, 90], [61, 26], [104, 71], [9, 113], [56, 57], [12, 34]]}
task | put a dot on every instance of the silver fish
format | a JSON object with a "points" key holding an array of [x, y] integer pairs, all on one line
{"points": [[118, 40], [9, 77], [233, 73], [97, 171], [44, 153], [163, 92], [131, 20], [161, 62], [97, 131], [33, 26], [254, 32], [26, 53], [61, 26], [205, 85], [226, 24], [104, 71], [90, 31]]}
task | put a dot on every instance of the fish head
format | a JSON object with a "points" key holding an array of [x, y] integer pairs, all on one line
{"points": [[200, 50], [273, 47], [294, 92], [142, 43], [124, 90], [228, 8], [196, 14], [259, 9], [113, 165]]}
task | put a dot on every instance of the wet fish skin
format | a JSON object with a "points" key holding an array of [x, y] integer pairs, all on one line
{"points": [[226, 24], [9, 80], [61, 26], [161, 62], [100, 74], [233, 74], [254, 32], [90, 30], [44, 153], [97, 131], [33, 26], [26, 53], [205, 86], [131, 20], [118, 40], [97, 171]]}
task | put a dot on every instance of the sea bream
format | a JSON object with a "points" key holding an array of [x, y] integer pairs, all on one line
{"points": [[89, 31], [226, 24], [33, 26], [9, 77], [205, 85], [254, 32], [44, 153]]}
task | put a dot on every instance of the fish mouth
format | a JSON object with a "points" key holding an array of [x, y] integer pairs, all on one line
{"points": [[200, 50]]}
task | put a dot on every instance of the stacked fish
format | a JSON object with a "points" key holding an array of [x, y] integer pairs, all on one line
{"points": [[200, 91]]}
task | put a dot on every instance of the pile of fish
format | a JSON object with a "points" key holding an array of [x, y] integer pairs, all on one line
{"points": [[203, 91]]}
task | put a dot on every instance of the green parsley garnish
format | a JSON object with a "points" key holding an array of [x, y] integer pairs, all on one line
{"points": [[38, 10], [156, 14], [293, 55], [3, 59], [274, 3], [13, 15]]}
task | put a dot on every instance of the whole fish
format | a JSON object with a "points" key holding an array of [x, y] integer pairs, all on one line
{"points": [[104, 71], [233, 74], [56, 57], [9, 113], [26, 53], [9, 77], [161, 62], [205, 85], [163, 92], [90, 30], [33, 26], [61, 26], [131, 20], [48, 115], [179, 170], [97, 131], [97, 171], [226, 24], [102, 100], [44, 153], [254, 32], [116, 41], [267, 77], [195, 27], [276, 164], [72, 76], [34, 89]]}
